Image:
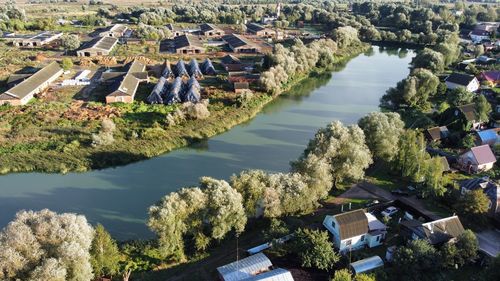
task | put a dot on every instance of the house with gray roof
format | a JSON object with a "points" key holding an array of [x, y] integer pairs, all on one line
{"points": [[23, 92], [100, 46], [33, 40], [116, 31], [239, 44], [188, 44], [435, 232], [259, 30], [125, 84], [489, 187], [210, 30]]}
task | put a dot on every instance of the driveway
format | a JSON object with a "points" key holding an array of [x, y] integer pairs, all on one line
{"points": [[489, 242]]}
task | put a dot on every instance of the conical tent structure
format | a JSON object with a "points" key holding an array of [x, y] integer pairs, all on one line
{"points": [[207, 67], [180, 69], [192, 95], [157, 94], [192, 82], [173, 95], [194, 69], [167, 70]]}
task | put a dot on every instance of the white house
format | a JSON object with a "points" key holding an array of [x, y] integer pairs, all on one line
{"points": [[477, 159], [355, 229], [458, 80]]}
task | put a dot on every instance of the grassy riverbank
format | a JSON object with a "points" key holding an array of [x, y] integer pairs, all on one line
{"points": [[56, 136]]}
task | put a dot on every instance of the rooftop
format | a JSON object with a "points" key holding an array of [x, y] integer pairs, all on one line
{"points": [[235, 40], [185, 40], [459, 78], [352, 223], [245, 268], [483, 154], [103, 43]]}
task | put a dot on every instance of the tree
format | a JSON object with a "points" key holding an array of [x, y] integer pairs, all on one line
{"points": [[460, 96], [314, 249], [70, 42], [250, 184], [430, 59], [483, 109], [412, 159], [44, 245], [415, 260], [468, 141], [468, 247], [66, 63], [342, 275], [345, 36], [450, 52], [343, 148], [474, 202], [104, 253], [434, 177], [382, 132]]}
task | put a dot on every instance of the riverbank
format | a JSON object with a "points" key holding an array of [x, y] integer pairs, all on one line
{"points": [[140, 134]]}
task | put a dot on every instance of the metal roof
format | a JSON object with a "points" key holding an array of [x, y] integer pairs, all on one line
{"points": [[367, 264], [483, 154], [34, 81], [352, 223], [460, 79], [185, 40], [235, 40], [488, 135], [245, 268], [104, 43], [278, 274]]}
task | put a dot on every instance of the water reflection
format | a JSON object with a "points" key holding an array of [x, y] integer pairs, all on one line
{"points": [[119, 197]]}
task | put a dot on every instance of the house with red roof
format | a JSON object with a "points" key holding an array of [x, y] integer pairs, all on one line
{"points": [[477, 159], [493, 77]]}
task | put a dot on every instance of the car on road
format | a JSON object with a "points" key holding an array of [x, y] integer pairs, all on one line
{"points": [[389, 211], [372, 203], [400, 192]]}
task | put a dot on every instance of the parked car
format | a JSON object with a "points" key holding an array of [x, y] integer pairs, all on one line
{"points": [[389, 211], [399, 192], [373, 203]]}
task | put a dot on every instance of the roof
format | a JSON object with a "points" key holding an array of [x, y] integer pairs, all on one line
{"points": [[34, 81], [492, 76], [103, 43], [131, 79], [460, 79], [278, 274], [483, 154], [437, 133], [352, 224], [245, 268], [230, 59], [469, 110], [185, 40], [17, 78], [479, 32], [173, 27], [120, 28], [207, 27], [488, 136], [444, 162], [442, 230], [235, 40], [255, 26], [367, 264]]}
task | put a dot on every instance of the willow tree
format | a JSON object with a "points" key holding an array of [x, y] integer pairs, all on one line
{"points": [[46, 246], [343, 148], [382, 131]]}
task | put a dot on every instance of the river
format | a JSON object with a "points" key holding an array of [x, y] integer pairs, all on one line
{"points": [[119, 197]]}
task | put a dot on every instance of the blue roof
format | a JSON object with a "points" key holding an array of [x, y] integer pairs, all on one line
{"points": [[488, 135]]}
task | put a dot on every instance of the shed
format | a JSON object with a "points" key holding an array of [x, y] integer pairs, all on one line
{"points": [[240, 44], [210, 30], [489, 137], [278, 274], [188, 44], [100, 46], [367, 264]]}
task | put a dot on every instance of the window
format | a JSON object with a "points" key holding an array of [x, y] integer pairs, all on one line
{"points": [[333, 224], [348, 242], [378, 238], [363, 238]]}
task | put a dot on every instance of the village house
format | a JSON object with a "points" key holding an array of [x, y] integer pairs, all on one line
{"points": [[483, 31], [100, 46], [176, 31], [468, 112], [240, 44], [126, 83], [459, 80], [210, 30], [240, 87], [437, 133], [23, 92], [254, 267], [115, 31], [477, 159], [33, 41], [188, 44], [355, 229], [259, 30], [492, 77], [435, 232], [489, 187], [489, 137]]}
